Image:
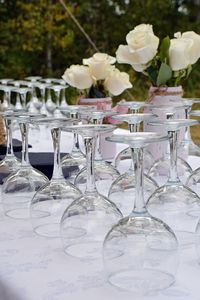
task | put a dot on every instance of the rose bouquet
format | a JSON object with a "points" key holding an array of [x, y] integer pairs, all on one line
{"points": [[165, 62], [98, 77]]}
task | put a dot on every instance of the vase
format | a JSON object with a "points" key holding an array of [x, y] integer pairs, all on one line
{"points": [[100, 103], [165, 96]]}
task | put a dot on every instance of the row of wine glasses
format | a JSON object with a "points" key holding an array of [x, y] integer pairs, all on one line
{"points": [[35, 94], [140, 251]]}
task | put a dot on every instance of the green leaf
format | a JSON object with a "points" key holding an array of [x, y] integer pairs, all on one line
{"points": [[164, 49], [153, 73], [164, 74]]}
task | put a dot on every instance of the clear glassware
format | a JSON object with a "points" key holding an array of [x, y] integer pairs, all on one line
{"points": [[63, 103], [175, 203], [76, 158], [18, 84], [23, 95], [191, 147], [123, 187], [50, 105], [6, 104], [105, 173], [160, 168], [10, 163], [57, 91], [48, 80], [193, 180], [140, 252], [134, 108], [20, 186], [50, 202], [43, 87], [34, 78], [86, 221], [59, 81], [6, 80]]}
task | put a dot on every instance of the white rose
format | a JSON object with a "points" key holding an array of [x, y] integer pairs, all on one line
{"points": [[195, 47], [124, 56], [100, 65], [179, 53], [141, 49], [117, 82], [144, 27], [78, 76]]}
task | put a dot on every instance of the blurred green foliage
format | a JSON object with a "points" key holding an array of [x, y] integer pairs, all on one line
{"points": [[38, 37]]}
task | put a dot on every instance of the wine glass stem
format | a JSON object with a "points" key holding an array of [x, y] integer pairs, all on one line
{"points": [[23, 97], [8, 98], [90, 143], [24, 127], [75, 148], [57, 98], [187, 129], [98, 155], [57, 169], [132, 127], [9, 151], [173, 142], [137, 158], [43, 96]]}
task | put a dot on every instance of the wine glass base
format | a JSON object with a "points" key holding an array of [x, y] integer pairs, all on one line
{"points": [[141, 281], [89, 250], [18, 190], [48, 206], [50, 230], [18, 213], [185, 239]]}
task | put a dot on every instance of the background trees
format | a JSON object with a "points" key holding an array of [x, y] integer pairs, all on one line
{"points": [[39, 37]]}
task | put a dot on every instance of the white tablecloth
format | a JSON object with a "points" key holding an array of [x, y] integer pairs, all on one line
{"points": [[36, 268]]}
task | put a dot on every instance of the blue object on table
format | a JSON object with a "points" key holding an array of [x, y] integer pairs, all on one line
{"points": [[42, 161]]}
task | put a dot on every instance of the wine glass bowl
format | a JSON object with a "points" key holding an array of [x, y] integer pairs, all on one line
{"points": [[175, 203], [49, 202], [140, 252], [20, 186], [86, 221]]}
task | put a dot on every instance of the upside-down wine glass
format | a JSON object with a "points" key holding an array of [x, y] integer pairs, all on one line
{"points": [[19, 187], [50, 105], [34, 78], [86, 221], [175, 203], [76, 158], [10, 162], [57, 91], [193, 180], [134, 108], [140, 252], [6, 105], [160, 168], [50, 202], [5, 80], [122, 189], [43, 87], [63, 102], [191, 147], [105, 173], [23, 95]]}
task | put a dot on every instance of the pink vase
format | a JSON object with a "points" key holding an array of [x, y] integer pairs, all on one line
{"points": [[165, 96]]}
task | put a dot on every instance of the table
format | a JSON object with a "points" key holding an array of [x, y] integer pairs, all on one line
{"points": [[36, 268]]}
